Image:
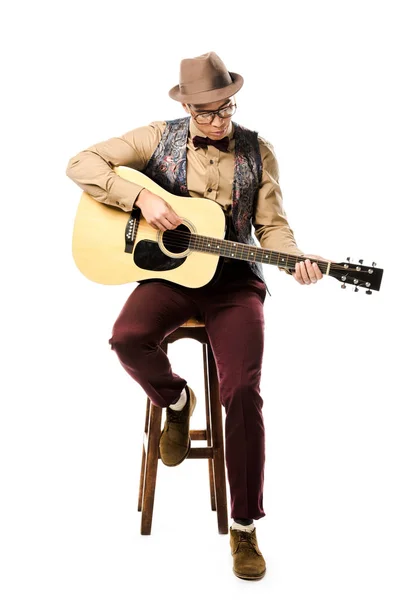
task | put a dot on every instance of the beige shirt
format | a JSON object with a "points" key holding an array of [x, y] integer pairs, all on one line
{"points": [[209, 174]]}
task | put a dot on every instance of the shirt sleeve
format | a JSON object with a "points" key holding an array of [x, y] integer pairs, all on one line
{"points": [[270, 222], [92, 169]]}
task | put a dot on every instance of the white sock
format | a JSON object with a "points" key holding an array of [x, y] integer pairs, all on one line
{"points": [[181, 402], [240, 527]]}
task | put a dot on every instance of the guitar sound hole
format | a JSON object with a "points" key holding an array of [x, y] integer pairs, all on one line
{"points": [[176, 240]]}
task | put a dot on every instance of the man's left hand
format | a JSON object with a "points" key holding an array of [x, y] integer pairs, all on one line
{"points": [[308, 271]]}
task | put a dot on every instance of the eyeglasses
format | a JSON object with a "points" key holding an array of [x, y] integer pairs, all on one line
{"points": [[208, 117]]}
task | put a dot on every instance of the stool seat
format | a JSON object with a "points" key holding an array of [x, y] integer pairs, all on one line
{"points": [[193, 322], [213, 451]]}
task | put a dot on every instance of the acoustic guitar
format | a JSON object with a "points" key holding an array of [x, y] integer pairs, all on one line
{"points": [[111, 246]]}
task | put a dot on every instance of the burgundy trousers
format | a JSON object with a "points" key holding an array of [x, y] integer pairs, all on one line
{"points": [[232, 310]]}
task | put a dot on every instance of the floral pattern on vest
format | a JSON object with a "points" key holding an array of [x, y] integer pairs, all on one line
{"points": [[167, 166]]}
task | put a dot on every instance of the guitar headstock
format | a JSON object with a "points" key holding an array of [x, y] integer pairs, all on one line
{"points": [[359, 275]]}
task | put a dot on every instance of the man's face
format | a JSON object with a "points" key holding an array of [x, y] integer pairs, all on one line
{"points": [[219, 127]]}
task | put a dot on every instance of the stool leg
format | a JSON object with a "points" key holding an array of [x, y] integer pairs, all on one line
{"points": [[208, 428], [144, 456], [218, 445], [153, 430], [150, 476]]}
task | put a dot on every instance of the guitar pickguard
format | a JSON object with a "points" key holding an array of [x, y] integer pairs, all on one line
{"points": [[148, 255]]}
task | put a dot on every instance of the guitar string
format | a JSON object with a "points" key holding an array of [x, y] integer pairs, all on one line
{"points": [[184, 238], [291, 260]]}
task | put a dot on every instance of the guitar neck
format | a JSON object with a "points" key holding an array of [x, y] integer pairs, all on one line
{"points": [[239, 251]]}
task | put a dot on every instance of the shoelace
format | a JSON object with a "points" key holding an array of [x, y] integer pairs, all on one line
{"points": [[176, 416], [245, 536]]}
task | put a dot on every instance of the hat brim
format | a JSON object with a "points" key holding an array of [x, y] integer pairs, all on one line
{"points": [[209, 95]]}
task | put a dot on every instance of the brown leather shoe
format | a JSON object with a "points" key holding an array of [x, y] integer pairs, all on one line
{"points": [[175, 437], [248, 562]]}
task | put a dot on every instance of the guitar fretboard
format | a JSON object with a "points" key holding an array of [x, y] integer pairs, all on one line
{"points": [[230, 249]]}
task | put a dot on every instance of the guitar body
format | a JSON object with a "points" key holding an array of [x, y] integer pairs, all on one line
{"points": [[99, 240]]}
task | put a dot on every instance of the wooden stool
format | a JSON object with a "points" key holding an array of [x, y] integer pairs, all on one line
{"points": [[213, 434]]}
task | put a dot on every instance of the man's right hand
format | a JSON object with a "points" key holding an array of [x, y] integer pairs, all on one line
{"points": [[157, 212]]}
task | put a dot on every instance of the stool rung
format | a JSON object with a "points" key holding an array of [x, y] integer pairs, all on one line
{"points": [[206, 452], [195, 435], [198, 434]]}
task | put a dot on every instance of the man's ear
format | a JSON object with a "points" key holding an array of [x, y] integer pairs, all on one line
{"points": [[185, 106]]}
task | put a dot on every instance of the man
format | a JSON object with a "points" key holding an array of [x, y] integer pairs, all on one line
{"points": [[203, 155]]}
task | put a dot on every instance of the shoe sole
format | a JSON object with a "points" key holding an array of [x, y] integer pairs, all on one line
{"points": [[190, 414], [250, 577]]}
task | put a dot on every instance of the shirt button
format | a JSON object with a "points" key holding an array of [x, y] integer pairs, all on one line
{"points": [[210, 189], [211, 162]]}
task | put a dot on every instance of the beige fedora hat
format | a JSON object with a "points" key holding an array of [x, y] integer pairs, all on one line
{"points": [[205, 79]]}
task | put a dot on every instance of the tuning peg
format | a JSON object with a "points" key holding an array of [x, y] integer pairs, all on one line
{"points": [[369, 292], [356, 289], [348, 259], [374, 264], [361, 261], [343, 286]]}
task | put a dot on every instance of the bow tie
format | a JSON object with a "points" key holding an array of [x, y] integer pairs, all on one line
{"points": [[203, 142]]}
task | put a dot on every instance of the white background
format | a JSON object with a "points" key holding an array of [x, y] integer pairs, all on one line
{"points": [[321, 84]]}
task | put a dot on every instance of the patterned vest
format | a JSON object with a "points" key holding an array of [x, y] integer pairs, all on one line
{"points": [[167, 167]]}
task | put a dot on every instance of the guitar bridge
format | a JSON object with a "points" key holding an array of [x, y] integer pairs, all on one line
{"points": [[131, 230]]}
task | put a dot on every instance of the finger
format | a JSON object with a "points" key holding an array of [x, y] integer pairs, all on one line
{"points": [[166, 223], [159, 225], [317, 271], [154, 224], [311, 271], [297, 274], [174, 222], [162, 222], [173, 218], [304, 274], [316, 274]]}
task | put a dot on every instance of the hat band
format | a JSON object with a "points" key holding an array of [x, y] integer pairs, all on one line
{"points": [[198, 86]]}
